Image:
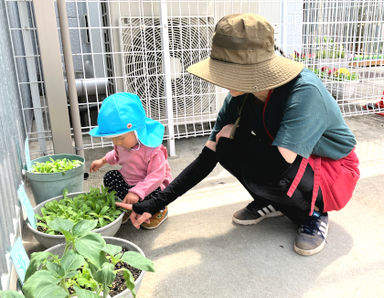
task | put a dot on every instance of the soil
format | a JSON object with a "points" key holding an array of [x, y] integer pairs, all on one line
{"points": [[118, 284], [41, 229]]}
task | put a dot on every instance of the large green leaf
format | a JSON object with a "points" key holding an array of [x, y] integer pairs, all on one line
{"points": [[83, 227], [11, 294], [129, 281], [82, 293], [105, 275], [37, 259], [55, 269], [90, 247], [112, 250], [59, 224], [51, 291], [41, 279], [72, 261], [138, 261]]}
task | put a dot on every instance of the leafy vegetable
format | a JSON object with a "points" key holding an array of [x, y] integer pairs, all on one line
{"points": [[55, 166], [87, 265], [98, 204]]}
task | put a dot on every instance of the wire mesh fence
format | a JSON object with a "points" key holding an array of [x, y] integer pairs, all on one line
{"points": [[145, 46]]}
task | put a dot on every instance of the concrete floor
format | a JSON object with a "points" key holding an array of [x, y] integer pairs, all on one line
{"points": [[198, 252]]}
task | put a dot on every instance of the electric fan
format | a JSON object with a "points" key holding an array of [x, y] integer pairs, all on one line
{"points": [[189, 42]]}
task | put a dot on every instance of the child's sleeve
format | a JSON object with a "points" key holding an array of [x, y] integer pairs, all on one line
{"points": [[112, 157], [156, 173]]}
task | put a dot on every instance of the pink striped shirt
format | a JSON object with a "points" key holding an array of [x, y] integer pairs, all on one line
{"points": [[146, 168]]}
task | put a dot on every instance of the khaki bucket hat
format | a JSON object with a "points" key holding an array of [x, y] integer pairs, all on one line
{"points": [[243, 56]]}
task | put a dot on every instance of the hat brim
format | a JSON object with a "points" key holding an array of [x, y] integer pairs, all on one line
{"points": [[95, 132], [151, 134], [257, 77]]}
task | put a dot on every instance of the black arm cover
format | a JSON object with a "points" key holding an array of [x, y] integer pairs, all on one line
{"points": [[188, 178]]}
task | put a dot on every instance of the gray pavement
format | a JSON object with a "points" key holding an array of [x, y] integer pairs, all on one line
{"points": [[199, 252]]}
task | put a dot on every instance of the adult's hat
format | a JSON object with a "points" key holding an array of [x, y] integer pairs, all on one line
{"points": [[123, 112], [243, 56]]}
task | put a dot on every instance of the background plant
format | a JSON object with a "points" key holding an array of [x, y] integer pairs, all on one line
{"points": [[97, 204], [86, 255], [336, 74], [55, 166]]}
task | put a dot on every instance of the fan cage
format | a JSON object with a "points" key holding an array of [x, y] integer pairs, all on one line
{"points": [[194, 100]]}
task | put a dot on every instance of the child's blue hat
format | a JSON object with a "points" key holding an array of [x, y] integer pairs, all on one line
{"points": [[123, 112]]}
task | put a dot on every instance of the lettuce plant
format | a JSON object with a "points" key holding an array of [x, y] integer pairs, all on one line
{"points": [[98, 204], [55, 166], [86, 256]]}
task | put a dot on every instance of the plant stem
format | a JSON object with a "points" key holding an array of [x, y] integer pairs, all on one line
{"points": [[64, 286]]}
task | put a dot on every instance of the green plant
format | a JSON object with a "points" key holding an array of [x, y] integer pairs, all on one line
{"points": [[336, 74], [87, 265], [55, 166], [97, 204], [330, 49]]}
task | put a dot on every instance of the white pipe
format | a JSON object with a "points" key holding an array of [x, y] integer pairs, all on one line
{"points": [[73, 100], [167, 72]]}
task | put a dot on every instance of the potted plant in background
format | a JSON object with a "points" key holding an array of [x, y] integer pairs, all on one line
{"points": [[50, 175], [97, 204], [340, 82], [86, 265]]}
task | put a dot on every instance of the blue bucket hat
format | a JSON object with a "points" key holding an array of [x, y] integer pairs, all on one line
{"points": [[123, 112]]}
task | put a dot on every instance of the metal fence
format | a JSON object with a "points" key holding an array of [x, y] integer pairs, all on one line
{"points": [[11, 151], [145, 46]]}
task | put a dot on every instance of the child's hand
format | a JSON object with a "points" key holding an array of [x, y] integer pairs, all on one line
{"points": [[97, 164], [131, 198]]}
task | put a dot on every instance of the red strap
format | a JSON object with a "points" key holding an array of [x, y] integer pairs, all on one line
{"points": [[316, 180], [297, 179]]}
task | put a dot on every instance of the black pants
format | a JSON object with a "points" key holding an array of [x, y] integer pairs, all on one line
{"points": [[115, 181], [238, 160]]}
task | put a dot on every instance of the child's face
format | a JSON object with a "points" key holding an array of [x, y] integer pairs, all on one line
{"points": [[127, 140]]}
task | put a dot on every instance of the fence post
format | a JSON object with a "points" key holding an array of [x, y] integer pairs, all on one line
{"points": [[49, 46]]}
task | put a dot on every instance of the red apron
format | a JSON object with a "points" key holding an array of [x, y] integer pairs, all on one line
{"points": [[336, 178]]}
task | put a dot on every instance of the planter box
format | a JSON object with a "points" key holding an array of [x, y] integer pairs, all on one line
{"points": [[50, 240], [59, 249], [341, 90], [46, 186]]}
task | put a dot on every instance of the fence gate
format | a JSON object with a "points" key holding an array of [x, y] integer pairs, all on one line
{"points": [[144, 47]]}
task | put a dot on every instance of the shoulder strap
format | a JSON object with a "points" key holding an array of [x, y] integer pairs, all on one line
{"points": [[236, 124]]}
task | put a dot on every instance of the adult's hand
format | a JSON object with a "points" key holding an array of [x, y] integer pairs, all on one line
{"points": [[136, 219]]}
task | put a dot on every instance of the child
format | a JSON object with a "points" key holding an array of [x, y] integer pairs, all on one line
{"points": [[137, 149]]}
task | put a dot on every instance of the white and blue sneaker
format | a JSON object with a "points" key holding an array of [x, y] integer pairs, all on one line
{"points": [[312, 235], [246, 216]]}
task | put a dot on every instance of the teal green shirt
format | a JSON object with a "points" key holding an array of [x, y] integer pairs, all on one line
{"points": [[301, 115]]}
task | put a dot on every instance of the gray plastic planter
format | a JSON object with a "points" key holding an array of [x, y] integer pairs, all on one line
{"points": [[59, 249], [46, 186], [50, 240]]}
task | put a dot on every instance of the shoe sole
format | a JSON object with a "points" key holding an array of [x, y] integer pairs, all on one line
{"points": [[310, 252], [155, 227], [255, 221], [306, 252]]}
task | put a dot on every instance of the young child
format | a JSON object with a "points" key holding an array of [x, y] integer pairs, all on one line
{"points": [[137, 149]]}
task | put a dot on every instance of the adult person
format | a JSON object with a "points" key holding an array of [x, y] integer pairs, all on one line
{"points": [[279, 132]]}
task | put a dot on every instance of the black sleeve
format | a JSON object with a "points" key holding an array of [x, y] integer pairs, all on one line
{"points": [[188, 178]]}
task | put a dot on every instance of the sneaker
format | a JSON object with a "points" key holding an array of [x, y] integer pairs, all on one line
{"points": [[247, 217], [312, 235], [156, 220]]}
